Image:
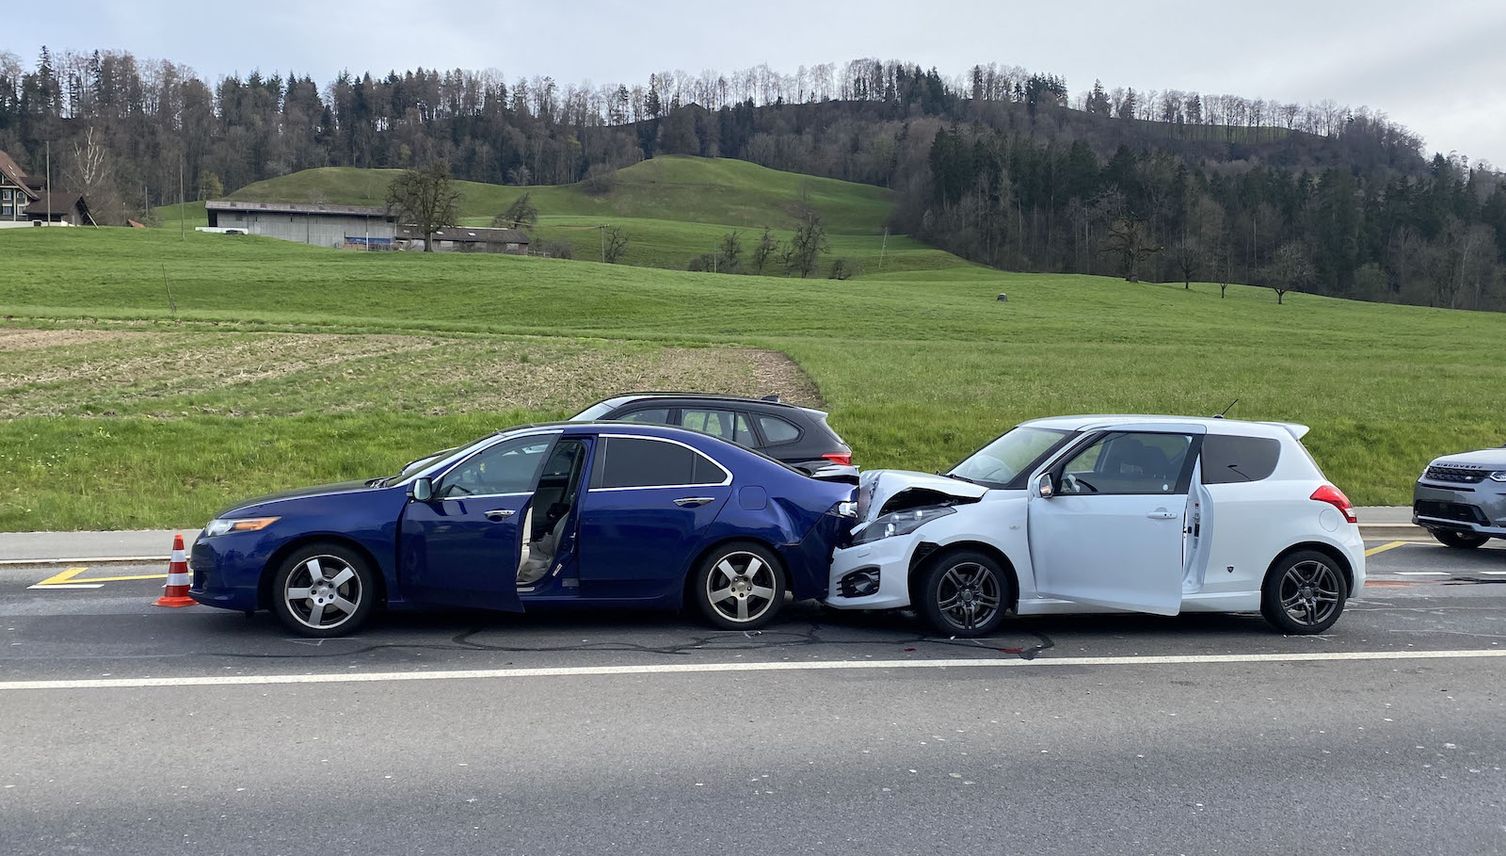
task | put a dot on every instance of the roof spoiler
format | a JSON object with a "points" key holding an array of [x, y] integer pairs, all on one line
{"points": [[1292, 428]]}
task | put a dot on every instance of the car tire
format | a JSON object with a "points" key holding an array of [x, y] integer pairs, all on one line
{"points": [[964, 593], [1459, 540], [739, 586], [323, 590], [1304, 593]]}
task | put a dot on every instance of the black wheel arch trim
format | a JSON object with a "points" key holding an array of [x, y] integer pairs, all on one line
{"points": [[925, 551], [1318, 547]]}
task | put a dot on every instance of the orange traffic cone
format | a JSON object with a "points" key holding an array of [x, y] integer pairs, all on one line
{"points": [[175, 593]]}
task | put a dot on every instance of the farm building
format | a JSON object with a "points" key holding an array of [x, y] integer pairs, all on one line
{"points": [[466, 239], [27, 201], [307, 223]]}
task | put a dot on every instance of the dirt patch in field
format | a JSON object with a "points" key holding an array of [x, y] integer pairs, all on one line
{"points": [[173, 374], [12, 339]]}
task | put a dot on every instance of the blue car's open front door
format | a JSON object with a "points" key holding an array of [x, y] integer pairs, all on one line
{"points": [[462, 547]]}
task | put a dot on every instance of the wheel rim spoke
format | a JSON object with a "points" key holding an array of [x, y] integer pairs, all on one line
{"points": [[746, 594], [331, 597]]}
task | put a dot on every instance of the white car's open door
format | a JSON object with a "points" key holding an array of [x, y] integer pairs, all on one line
{"points": [[1108, 532]]}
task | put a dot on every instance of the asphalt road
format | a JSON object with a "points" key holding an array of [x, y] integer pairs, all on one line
{"points": [[126, 728]]}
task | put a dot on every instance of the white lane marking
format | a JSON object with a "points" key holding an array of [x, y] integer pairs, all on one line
{"points": [[705, 668], [56, 586], [1422, 573], [84, 561], [1494, 573]]}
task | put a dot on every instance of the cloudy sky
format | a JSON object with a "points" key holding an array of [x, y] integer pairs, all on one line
{"points": [[1437, 67]]}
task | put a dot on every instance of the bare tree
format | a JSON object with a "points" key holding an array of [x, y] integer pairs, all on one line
{"points": [[1291, 270], [806, 246], [615, 244], [729, 252], [767, 246], [1187, 255], [425, 198], [1130, 241], [521, 214]]}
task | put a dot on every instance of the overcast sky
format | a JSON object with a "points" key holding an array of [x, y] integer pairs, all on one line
{"points": [[1437, 67]]}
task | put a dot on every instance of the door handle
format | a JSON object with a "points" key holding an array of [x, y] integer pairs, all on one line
{"points": [[1163, 515], [499, 514], [693, 501]]}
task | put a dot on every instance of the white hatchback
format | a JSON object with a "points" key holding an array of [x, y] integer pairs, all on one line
{"points": [[1156, 514]]}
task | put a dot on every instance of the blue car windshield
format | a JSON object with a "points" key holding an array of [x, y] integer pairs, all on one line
{"points": [[1003, 460]]}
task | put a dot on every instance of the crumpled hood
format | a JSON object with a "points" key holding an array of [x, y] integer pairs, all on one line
{"points": [[1491, 459], [882, 491], [315, 490]]}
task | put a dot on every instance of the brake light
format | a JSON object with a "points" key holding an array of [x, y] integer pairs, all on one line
{"points": [[843, 458], [1335, 497]]}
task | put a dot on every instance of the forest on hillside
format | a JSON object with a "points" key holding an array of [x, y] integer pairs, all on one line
{"points": [[1001, 165]]}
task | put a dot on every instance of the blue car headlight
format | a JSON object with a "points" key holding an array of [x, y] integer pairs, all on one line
{"points": [[898, 523], [223, 525]]}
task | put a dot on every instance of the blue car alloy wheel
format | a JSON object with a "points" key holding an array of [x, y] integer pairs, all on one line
{"points": [[323, 590]]}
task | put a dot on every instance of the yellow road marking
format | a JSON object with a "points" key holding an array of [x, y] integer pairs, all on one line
{"points": [[161, 576], [62, 577], [70, 579], [1373, 551]]}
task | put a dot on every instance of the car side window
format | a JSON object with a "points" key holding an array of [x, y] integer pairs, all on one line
{"points": [[777, 431], [1228, 459], [511, 466], [627, 462], [650, 416], [726, 424], [1129, 462]]}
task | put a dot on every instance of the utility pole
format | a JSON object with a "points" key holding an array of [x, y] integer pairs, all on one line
{"points": [[603, 228], [882, 247], [182, 203], [49, 182]]}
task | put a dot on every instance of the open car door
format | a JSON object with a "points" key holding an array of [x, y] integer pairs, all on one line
{"points": [[1107, 529], [462, 547]]}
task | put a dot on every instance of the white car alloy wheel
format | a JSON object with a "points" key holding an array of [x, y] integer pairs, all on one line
{"points": [[323, 592]]}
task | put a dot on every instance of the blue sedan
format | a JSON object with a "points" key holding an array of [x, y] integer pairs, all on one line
{"points": [[591, 514]]}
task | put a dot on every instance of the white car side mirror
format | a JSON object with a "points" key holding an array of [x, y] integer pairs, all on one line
{"points": [[1043, 486]]}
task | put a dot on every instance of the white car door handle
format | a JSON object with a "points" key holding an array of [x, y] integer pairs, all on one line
{"points": [[1163, 515]]}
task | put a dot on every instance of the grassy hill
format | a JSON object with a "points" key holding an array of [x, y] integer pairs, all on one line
{"points": [[673, 209], [917, 367]]}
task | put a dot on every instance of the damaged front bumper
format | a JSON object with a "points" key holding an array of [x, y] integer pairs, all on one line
{"points": [[874, 575]]}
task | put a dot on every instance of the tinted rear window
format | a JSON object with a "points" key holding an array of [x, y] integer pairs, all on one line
{"points": [[1229, 459], [776, 430], [631, 462]]}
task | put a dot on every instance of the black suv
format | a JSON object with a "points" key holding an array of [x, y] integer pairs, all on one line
{"points": [[798, 436]]}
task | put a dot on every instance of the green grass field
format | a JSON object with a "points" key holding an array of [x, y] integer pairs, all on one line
{"points": [[673, 209], [918, 367]]}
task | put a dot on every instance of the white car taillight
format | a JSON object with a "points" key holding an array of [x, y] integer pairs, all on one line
{"points": [[1335, 497]]}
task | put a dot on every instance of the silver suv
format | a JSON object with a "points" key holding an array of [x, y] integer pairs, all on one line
{"points": [[1461, 499]]}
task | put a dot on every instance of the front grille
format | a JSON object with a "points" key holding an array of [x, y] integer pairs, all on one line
{"points": [[1455, 511], [1456, 475]]}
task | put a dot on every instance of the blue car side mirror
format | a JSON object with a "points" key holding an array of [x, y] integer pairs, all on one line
{"points": [[422, 490]]}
